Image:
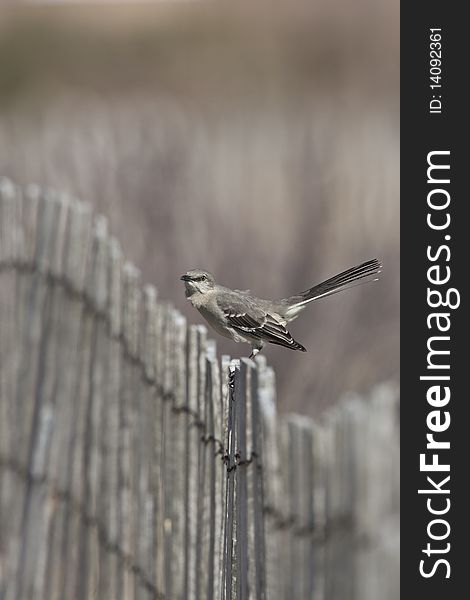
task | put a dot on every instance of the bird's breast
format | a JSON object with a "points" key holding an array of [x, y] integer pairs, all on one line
{"points": [[213, 321], [217, 322]]}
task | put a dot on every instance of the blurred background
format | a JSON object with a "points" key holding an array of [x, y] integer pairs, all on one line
{"points": [[258, 141]]}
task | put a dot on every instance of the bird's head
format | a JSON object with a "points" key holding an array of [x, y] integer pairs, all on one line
{"points": [[198, 280]]}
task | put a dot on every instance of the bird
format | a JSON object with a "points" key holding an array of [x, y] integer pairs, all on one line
{"points": [[241, 317]]}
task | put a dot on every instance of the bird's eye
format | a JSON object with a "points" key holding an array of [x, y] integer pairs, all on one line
{"points": [[203, 277]]}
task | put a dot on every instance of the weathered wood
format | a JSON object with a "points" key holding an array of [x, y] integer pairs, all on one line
{"points": [[272, 484], [206, 488], [64, 383], [166, 508], [37, 509], [193, 420], [241, 462], [12, 316], [111, 502], [214, 456], [231, 530], [319, 510], [136, 465], [178, 444], [129, 468], [222, 435], [146, 555], [257, 530], [97, 291]]}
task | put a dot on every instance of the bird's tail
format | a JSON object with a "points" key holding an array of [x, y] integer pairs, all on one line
{"points": [[358, 275]]}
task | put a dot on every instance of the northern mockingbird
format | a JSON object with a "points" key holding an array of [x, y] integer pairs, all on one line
{"points": [[241, 317]]}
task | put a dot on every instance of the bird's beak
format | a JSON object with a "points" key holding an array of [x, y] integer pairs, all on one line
{"points": [[185, 278]]}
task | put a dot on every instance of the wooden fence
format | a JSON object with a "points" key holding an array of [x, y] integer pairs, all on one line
{"points": [[136, 464]]}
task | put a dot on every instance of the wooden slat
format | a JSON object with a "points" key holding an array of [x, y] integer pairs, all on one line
{"points": [[131, 297], [111, 501], [178, 444], [39, 500], [231, 529], [257, 530], [97, 290], [319, 483], [215, 451], [206, 491], [192, 465], [221, 428], [146, 548], [12, 489], [271, 481], [242, 456], [69, 313]]}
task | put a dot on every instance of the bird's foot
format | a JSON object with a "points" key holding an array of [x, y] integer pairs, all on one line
{"points": [[254, 352]]}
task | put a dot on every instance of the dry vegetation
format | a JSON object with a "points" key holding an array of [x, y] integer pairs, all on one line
{"points": [[265, 150]]}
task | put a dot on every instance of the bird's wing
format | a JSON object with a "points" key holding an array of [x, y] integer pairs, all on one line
{"points": [[245, 317]]}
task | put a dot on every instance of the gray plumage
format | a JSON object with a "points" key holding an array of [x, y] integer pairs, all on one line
{"points": [[242, 317]]}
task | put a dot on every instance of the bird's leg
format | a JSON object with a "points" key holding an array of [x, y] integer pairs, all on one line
{"points": [[254, 351]]}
